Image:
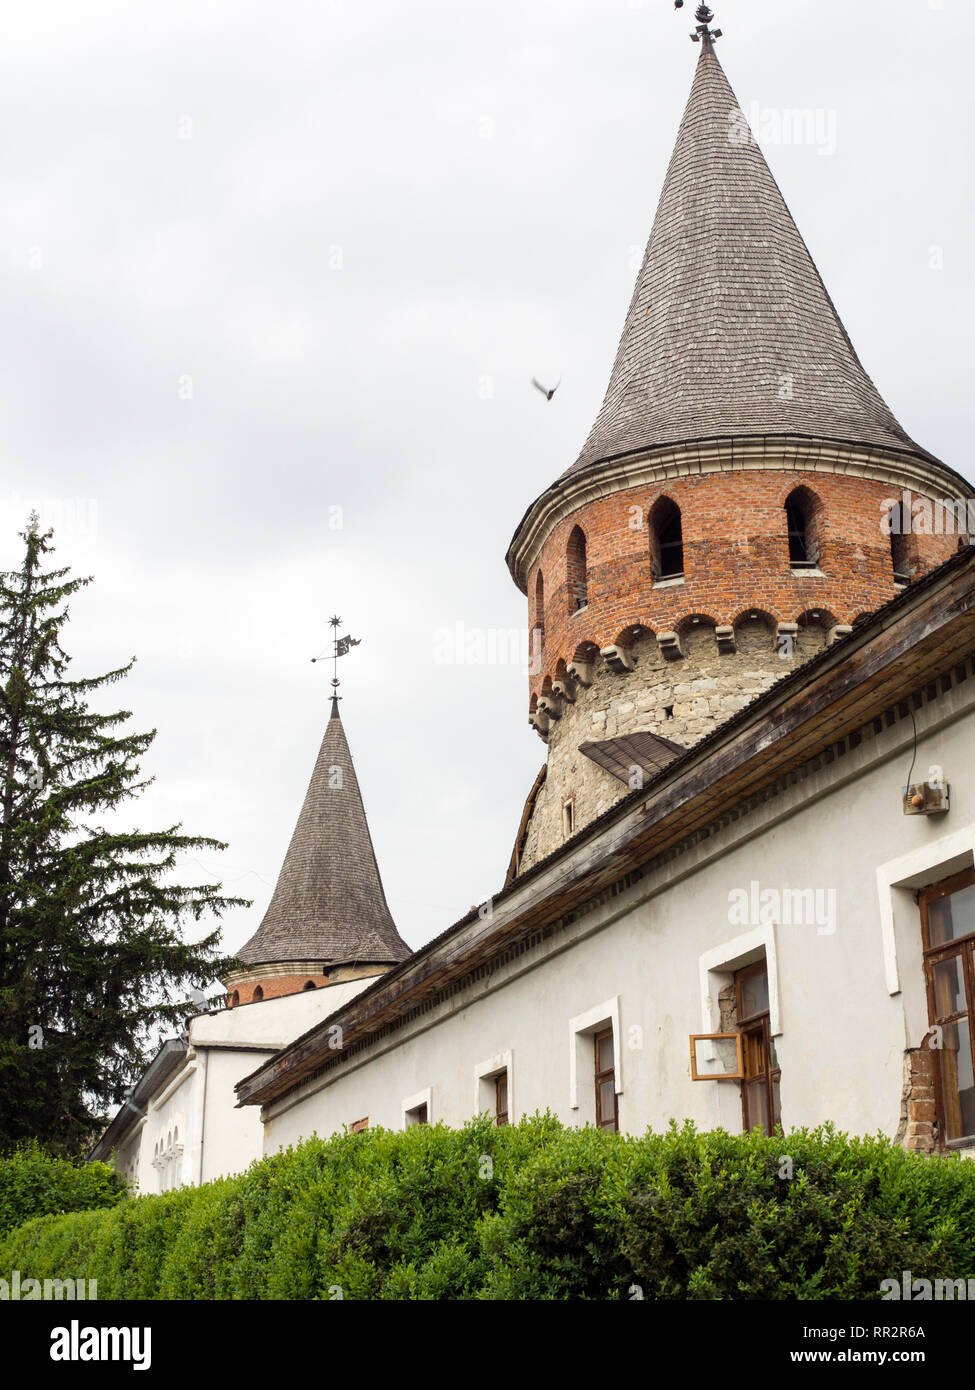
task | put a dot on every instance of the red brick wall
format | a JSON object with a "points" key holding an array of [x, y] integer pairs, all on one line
{"points": [[736, 558], [274, 987]]}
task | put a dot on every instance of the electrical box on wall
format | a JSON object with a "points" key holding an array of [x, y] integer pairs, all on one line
{"points": [[926, 799]]}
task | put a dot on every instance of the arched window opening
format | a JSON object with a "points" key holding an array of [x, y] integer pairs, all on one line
{"points": [[540, 602], [802, 524], [899, 544], [258, 995], [309, 984], [577, 570], [666, 540]]}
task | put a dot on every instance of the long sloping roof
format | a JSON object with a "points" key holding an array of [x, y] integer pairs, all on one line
{"points": [[731, 331], [329, 903]]}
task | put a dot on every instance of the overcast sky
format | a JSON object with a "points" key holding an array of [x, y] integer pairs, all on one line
{"points": [[272, 267]]}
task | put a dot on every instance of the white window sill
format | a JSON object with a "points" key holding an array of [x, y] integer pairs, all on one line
{"points": [[673, 582], [810, 572]]}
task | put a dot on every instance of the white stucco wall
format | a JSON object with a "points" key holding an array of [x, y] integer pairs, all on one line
{"points": [[192, 1130], [841, 1031]]}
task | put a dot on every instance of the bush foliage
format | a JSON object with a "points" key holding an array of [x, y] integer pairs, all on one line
{"points": [[33, 1183], [531, 1211]]}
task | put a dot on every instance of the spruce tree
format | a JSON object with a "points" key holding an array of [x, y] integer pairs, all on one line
{"points": [[92, 961]]}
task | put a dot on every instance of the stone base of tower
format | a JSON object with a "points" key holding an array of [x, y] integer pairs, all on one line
{"points": [[680, 692]]}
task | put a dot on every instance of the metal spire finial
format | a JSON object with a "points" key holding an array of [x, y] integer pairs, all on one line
{"points": [[341, 645], [704, 15]]}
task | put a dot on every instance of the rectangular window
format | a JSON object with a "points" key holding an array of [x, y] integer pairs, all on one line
{"points": [[948, 929], [607, 1112], [501, 1098], [568, 819], [760, 1087], [417, 1108]]}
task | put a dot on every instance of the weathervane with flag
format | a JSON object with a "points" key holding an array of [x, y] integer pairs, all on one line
{"points": [[342, 646]]}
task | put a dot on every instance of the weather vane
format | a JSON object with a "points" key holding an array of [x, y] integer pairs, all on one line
{"points": [[704, 15], [341, 646]]}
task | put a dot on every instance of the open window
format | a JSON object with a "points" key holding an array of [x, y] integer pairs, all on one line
{"points": [[802, 511], [948, 928], [898, 519], [760, 1083], [539, 623], [666, 540], [743, 1051], [577, 570], [717, 1057]]}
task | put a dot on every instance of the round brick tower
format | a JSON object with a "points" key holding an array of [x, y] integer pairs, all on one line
{"points": [[744, 495]]}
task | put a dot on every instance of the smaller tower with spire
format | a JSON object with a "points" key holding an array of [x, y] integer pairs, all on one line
{"points": [[328, 919]]}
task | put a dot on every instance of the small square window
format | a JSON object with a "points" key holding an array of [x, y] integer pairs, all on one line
{"points": [[417, 1109]]}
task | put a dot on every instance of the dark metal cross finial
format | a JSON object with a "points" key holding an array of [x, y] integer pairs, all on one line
{"points": [[704, 15], [340, 647]]}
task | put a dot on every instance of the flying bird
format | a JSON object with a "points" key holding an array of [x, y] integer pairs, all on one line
{"points": [[547, 392]]}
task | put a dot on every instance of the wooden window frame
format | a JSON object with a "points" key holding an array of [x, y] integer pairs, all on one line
{"points": [[737, 1075], [759, 1026], [964, 948], [607, 1074], [501, 1116]]}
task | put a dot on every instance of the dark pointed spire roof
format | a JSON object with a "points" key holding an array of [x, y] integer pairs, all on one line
{"points": [[728, 307], [329, 904]]}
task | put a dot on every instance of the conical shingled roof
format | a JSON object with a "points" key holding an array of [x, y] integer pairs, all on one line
{"points": [[329, 904], [731, 331]]}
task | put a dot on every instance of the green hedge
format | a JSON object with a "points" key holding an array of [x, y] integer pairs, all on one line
{"points": [[33, 1183], [531, 1211]]}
